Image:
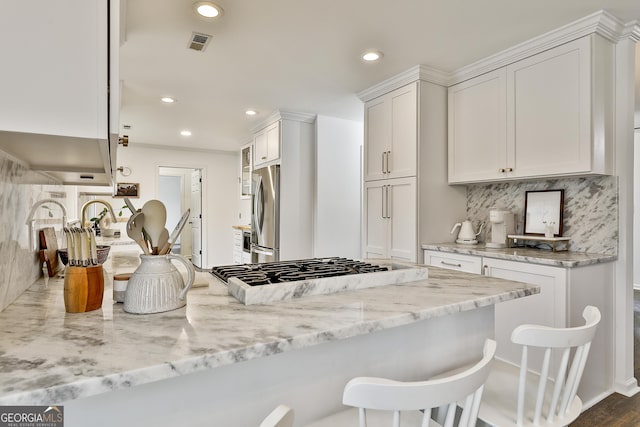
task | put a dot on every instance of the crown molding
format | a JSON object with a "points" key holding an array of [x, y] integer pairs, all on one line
{"points": [[418, 72], [631, 31], [284, 115], [601, 23]]}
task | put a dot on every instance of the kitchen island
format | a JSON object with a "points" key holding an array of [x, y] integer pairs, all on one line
{"points": [[218, 362]]}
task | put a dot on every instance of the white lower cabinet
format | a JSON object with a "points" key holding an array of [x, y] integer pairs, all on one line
{"points": [[466, 263], [564, 292], [390, 219], [237, 246], [548, 308]]}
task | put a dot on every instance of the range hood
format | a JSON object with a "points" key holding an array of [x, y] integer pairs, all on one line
{"points": [[69, 160]]}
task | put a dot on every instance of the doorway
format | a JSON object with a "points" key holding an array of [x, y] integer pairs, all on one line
{"points": [[175, 190]]}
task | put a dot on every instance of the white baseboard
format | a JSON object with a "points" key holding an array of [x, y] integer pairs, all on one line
{"points": [[629, 388], [597, 399]]}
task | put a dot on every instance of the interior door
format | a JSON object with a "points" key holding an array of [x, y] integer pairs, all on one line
{"points": [[196, 218]]}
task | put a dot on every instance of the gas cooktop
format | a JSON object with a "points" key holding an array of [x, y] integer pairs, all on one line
{"points": [[279, 281], [291, 271]]}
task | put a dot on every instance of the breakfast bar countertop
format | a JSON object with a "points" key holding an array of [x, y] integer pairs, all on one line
{"points": [[567, 259], [48, 356]]}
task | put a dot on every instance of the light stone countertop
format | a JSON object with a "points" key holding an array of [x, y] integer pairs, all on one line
{"points": [[48, 356], [567, 259]]}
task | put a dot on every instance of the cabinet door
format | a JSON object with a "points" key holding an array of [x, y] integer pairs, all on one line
{"points": [[403, 148], [376, 135], [237, 246], [260, 148], [375, 223], [549, 113], [451, 261], [273, 141], [549, 307], [58, 86], [245, 171], [477, 129], [401, 213]]}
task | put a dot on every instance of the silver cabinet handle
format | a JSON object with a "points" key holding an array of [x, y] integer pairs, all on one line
{"points": [[388, 154], [484, 270], [383, 201], [387, 202], [509, 169], [450, 264], [501, 170]]}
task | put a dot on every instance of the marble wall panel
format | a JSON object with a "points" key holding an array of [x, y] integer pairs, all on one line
{"points": [[20, 188], [590, 208]]}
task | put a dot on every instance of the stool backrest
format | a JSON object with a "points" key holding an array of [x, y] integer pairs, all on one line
{"points": [[569, 371], [384, 394], [281, 416]]}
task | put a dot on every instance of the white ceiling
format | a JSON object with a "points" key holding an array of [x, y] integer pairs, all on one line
{"points": [[304, 56]]}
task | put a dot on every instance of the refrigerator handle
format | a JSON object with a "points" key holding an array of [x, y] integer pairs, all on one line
{"points": [[261, 251], [258, 207]]}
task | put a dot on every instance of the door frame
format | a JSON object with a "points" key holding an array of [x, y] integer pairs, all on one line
{"points": [[203, 196]]}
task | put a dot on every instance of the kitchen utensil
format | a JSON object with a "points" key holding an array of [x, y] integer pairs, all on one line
{"points": [[77, 246], [85, 249], [92, 245], [466, 234], [157, 285], [163, 240], [155, 217], [49, 244], [176, 232], [134, 230], [130, 205], [83, 288]]}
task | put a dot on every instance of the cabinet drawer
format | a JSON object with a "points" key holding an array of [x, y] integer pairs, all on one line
{"points": [[466, 263]]}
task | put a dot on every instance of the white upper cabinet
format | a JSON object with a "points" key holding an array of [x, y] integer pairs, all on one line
{"points": [[391, 132], [477, 128], [557, 120], [60, 86], [267, 144]]}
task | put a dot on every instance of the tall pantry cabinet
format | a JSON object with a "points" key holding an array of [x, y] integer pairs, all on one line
{"points": [[406, 197]]}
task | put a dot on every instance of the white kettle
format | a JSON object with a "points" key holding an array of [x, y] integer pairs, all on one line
{"points": [[467, 235]]}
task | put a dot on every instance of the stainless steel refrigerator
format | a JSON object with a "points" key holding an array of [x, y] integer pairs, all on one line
{"points": [[265, 215]]}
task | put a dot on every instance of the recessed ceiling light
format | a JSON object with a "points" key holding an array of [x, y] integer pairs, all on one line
{"points": [[185, 133], [251, 112], [372, 56], [208, 9], [167, 100]]}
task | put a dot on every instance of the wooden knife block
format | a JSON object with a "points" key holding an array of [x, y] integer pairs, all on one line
{"points": [[83, 288]]}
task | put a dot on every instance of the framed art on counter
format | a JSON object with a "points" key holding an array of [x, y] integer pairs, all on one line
{"points": [[543, 213]]}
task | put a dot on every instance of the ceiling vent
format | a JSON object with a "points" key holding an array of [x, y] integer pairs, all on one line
{"points": [[199, 41]]}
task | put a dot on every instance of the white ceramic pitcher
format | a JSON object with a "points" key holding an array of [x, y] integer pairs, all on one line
{"points": [[157, 285]]}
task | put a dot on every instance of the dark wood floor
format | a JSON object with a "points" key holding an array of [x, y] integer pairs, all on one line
{"points": [[617, 410]]}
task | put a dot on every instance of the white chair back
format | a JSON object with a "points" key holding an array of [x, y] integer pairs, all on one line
{"points": [[567, 376], [383, 394], [281, 416]]}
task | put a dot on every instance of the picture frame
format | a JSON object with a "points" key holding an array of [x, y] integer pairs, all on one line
{"points": [[127, 189], [543, 207]]}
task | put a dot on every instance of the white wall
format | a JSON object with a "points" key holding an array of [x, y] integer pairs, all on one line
{"points": [[338, 187], [219, 195]]}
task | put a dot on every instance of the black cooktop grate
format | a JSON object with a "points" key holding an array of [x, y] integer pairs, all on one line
{"points": [[290, 271]]}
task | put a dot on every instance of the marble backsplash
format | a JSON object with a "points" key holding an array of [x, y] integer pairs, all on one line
{"points": [[590, 208], [20, 188]]}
